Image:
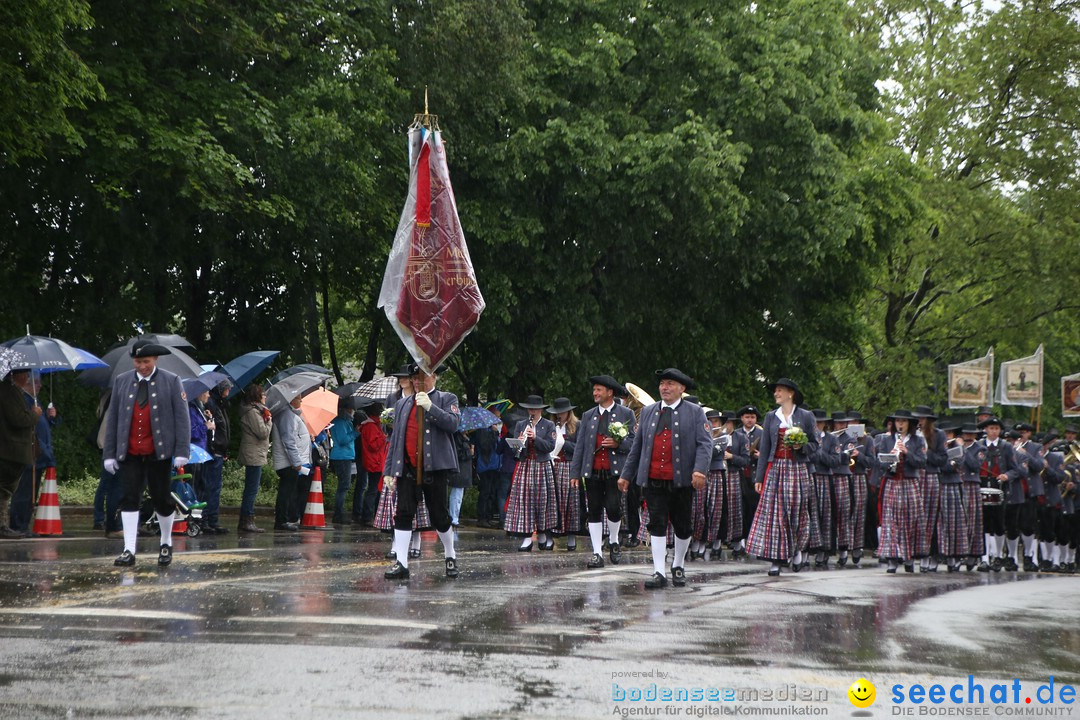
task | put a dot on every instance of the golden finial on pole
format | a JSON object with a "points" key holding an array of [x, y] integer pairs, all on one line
{"points": [[426, 119]]}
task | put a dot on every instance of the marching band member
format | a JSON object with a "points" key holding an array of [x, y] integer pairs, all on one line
{"points": [[669, 458], [742, 465], [843, 480], [951, 532], [1032, 512], [936, 458], [532, 505], [901, 503], [971, 497], [1053, 546], [724, 493], [999, 466], [598, 463], [864, 516], [823, 462], [570, 497], [780, 531]]}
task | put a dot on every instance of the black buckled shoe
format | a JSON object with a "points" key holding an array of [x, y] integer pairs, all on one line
{"points": [[397, 571], [164, 555], [909, 567], [413, 553], [597, 561], [656, 582], [678, 577], [451, 568], [983, 567], [615, 554], [126, 559]]}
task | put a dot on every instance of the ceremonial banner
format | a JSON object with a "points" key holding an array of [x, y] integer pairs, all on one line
{"points": [[429, 290], [1020, 381], [971, 383], [1070, 395]]}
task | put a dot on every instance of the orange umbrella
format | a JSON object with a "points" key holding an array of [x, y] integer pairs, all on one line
{"points": [[318, 409]]}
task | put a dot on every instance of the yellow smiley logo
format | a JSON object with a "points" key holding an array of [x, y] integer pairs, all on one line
{"points": [[862, 693]]}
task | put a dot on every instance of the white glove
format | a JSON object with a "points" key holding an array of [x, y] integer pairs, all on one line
{"points": [[423, 400], [304, 470], [179, 461], [111, 466], [388, 482]]}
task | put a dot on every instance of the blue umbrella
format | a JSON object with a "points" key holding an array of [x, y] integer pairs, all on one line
{"points": [[247, 367], [198, 456], [474, 418], [47, 355], [196, 386]]}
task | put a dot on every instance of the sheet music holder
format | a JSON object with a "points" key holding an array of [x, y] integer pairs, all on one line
{"points": [[956, 452]]}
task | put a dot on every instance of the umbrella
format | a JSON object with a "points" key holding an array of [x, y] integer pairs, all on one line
{"points": [[245, 368], [347, 390], [318, 409], [46, 354], [304, 368], [196, 386], [282, 393], [474, 418], [10, 360], [197, 455], [118, 361], [377, 389]]}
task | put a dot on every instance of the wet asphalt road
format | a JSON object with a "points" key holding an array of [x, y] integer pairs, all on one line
{"points": [[304, 625]]}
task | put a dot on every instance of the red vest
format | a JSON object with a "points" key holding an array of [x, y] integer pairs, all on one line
{"points": [[141, 435], [660, 467], [601, 458], [411, 444]]}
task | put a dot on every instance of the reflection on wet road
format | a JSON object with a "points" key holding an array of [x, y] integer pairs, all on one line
{"points": [[515, 634]]}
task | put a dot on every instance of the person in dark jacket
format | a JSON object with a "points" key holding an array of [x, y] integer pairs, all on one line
{"points": [[218, 447], [17, 420]]}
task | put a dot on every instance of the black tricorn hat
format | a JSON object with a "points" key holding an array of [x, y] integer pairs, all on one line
{"points": [[901, 415], [711, 414], [785, 382], [404, 372], [145, 348], [842, 416], [533, 402], [990, 421], [414, 369], [984, 410], [610, 383], [746, 410], [969, 430], [694, 399], [560, 405], [924, 411], [678, 376], [1023, 426]]}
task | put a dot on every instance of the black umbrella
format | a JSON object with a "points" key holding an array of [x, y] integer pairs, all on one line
{"points": [[305, 368]]}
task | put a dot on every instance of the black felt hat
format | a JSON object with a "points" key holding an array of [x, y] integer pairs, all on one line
{"points": [[678, 376], [610, 383], [145, 348], [785, 382], [533, 402], [560, 405]]}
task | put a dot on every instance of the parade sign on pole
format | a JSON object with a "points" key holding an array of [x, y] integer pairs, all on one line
{"points": [[1070, 395], [1020, 381], [971, 383], [429, 290]]}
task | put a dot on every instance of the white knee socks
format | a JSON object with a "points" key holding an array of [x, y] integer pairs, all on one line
{"points": [[658, 543], [681, 547], [130, 521], [596, 535], [166, 523], [401, 546], [447, 539]]}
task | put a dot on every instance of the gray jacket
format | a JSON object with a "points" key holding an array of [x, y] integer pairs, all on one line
{"points": [[769, 430], [691, 444], [585, 450], [291, 439], [169, 419], [441, 421], [254, 435]]}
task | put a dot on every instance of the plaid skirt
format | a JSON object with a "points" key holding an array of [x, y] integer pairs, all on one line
{"points": [[973, 519], [723, 506], [820, 508], [951, 534], [781, 524], [569, 500], [532, 505], [901, 510], [699, 523], [858, 511], [930, 486], [384, 513], [841, 488]]}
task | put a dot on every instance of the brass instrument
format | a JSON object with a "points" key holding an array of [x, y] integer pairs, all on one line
{"points": [[638, 399]]}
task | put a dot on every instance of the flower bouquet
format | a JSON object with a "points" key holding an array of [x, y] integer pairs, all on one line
{"points": [[795, 436], [618, 431], [387, 416]]}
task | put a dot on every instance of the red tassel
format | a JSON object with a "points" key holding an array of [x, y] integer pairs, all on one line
{"points": [[423, 187]]}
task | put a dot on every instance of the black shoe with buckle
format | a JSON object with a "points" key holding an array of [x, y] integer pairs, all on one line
{"points": [[656, 582], [164, 555], [597, 561], [615, 554], [397, 571], [126, 559], [678, 577], [414, 553], [451, 568], [391, 555]]}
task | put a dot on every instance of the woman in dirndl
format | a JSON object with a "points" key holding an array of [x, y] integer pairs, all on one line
{"points": [[532, 505], [780, 532], [951, 533], [570, 496], [822, 465], [971, 498], [901, 503], [937, 457]]}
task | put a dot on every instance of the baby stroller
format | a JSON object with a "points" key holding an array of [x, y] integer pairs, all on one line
{"points": [[187, 506]]}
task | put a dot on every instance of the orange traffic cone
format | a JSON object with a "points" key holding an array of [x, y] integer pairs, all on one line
{"points": [[314, 518], [47, 518]]}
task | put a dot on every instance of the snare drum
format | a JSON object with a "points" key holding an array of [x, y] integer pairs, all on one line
{"points": [[992, 496]]}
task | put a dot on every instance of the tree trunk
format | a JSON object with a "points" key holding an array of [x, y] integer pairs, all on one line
{"points": [[325, 282]]}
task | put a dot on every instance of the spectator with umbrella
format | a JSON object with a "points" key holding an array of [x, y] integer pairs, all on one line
{"points": [[292, 460], [22, 503], [218, 447], [255, 429], [147, 430], [343, 434], [17, 420]]}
